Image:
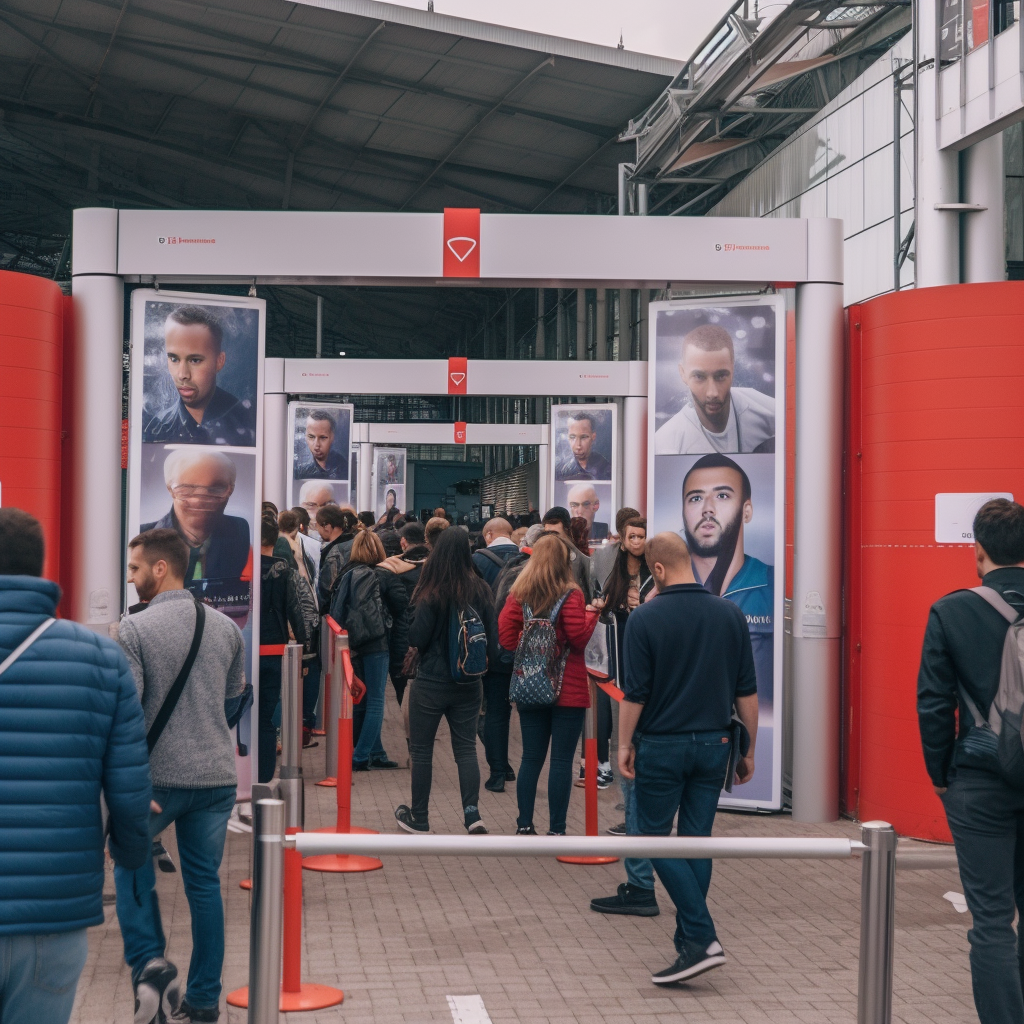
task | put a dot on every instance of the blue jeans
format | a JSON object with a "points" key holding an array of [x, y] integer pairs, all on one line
{"points": [[683, 772], [39, 975], [375, 676], [539, 726], [986, 818], [310, 691], [200, 819], [639, 870]]}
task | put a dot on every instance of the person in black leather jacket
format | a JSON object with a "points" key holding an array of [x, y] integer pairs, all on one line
{"points": [[447, 580]]}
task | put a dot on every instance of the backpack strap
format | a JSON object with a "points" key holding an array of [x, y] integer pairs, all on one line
{"points": [[500, 562], [558, 607], [25, 644], [997, 601], [171, 700]]}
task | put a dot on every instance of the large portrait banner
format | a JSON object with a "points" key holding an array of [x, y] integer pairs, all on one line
{"points": [[319, 469], [585, 463], [389, 466], [194, 465], [716, 371]]}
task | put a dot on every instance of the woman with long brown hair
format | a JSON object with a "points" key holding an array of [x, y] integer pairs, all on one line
{"points": [[547, 583]]}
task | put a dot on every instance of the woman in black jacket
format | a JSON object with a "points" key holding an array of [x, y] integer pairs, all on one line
{"points": [[371, 659], [447, 581]]}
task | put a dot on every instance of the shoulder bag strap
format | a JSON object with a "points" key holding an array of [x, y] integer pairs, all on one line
{"points": [[171, 700], [25, 645]]}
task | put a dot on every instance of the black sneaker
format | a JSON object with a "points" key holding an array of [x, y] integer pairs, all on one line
{"points": [[581, 781], [496, 783], [510, 776], [556, 833], [695, 960], [163, 858], [617, 830], [360, 766], [526, 830], [189, 1014], [631, 899], [604, 778], [476, 827], [156, 992], [383, 763], [405, 820]]}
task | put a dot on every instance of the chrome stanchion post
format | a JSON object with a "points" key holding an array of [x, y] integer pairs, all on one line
{"points": [[290, 774], [267, 915], [877, 918]]}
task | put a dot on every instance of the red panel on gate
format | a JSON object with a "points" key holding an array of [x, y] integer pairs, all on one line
{"points": [[457, 375], [461, 242], [460, 432]]}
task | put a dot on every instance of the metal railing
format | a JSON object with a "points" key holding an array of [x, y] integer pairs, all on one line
{"points": [[877, 850]]}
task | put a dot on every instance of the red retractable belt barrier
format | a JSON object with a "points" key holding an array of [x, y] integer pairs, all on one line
{"points": [[590, 773], [343, 681]]}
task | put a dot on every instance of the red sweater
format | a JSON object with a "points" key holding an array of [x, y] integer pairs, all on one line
{"points": [[573, 628]]}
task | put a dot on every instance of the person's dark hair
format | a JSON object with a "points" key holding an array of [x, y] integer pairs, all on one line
{"points": [[335, 517], [269, 532], [368, 519], [448, 577], [579, 532], [558, 514], [22, 547], [623, 516], [412, 533], [322, 414], [999, 529], [577, 415], [163, 544], [392, 545], [188, 316], [269, 506], [287, 521], [717, 461], [476, 542], [303, 517], [616, 589]]}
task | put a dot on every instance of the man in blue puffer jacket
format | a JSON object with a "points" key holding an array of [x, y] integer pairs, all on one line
{"points": [[71, 726]]}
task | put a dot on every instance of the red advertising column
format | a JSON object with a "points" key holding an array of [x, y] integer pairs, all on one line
{"points": [[31, 348]]}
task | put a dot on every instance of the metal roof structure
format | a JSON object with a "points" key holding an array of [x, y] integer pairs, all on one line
{"points": [[748, 86], [317, 104]]}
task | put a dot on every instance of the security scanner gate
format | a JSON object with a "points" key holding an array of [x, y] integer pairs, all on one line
{"points": [[689, 434]]}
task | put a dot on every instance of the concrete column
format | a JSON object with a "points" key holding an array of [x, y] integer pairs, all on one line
{"points": [[817, 544], [581, 323], [984, 248], [364, 491], [645, 315], [538, 351], [634, 454], [275, 450], [601, 324], [544, 474], [97, 531]]}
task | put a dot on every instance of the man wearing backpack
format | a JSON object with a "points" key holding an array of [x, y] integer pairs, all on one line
{"points": [[962, 663], [189, 667], [489, 561]]}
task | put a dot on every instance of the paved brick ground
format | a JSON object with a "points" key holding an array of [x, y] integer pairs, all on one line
{"points": [[519, 933]]}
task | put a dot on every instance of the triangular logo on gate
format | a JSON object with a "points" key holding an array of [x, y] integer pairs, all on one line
{"points": [[457, 378], [461, 246]]}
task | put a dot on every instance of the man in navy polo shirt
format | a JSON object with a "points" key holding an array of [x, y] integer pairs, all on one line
{"points": [[688, 663]]}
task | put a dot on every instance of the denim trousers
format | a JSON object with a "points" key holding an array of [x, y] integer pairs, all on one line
{"points": [[604, 725], [496, 721], [986, 818], [39, 975], [269, 699], [375, 676], [310, 691], [684, 772], [200, 818], [561, 727], [639, 870], [430, 700]]}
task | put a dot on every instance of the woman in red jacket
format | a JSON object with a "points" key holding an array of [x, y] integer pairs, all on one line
{"points": [[546, 577]]}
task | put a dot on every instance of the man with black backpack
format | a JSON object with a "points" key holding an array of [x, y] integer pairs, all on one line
{"points": [[972, 665], [189, 667], [489, 561]]}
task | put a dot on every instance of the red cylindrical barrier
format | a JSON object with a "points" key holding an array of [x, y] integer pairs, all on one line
{"points": [[590, 779], [291, 976]]}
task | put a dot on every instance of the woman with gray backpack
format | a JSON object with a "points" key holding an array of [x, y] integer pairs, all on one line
{"points": [[453, 636], [547, 623]]}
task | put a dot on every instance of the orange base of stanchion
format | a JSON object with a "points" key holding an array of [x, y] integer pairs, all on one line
{"points": [[245, 883], [343, 862], [318, 732], [330, 781], [309, 997], [587, 860]]}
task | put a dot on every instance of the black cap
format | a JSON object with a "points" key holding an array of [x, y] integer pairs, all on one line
{"points": [[558, 514]]}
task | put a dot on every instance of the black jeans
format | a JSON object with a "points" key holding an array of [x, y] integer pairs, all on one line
{"points": [[310, 691], [430, 700], [270, 697], [986, 818], [496, 719], [604, 724], [561, 727]]}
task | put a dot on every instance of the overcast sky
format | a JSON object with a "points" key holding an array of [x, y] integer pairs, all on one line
{"points": [[669, 28]]}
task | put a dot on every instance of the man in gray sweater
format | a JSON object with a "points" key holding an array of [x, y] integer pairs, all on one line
{"points": [[193, 769]]}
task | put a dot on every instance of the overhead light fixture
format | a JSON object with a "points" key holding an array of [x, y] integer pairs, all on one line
{"points": [[341, 353]]}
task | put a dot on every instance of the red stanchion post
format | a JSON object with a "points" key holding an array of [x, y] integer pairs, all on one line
{"points": [[590, 789], [342, 688]]}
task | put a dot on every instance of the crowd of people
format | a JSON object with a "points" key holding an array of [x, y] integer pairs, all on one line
{"points": [[466, 630]]}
